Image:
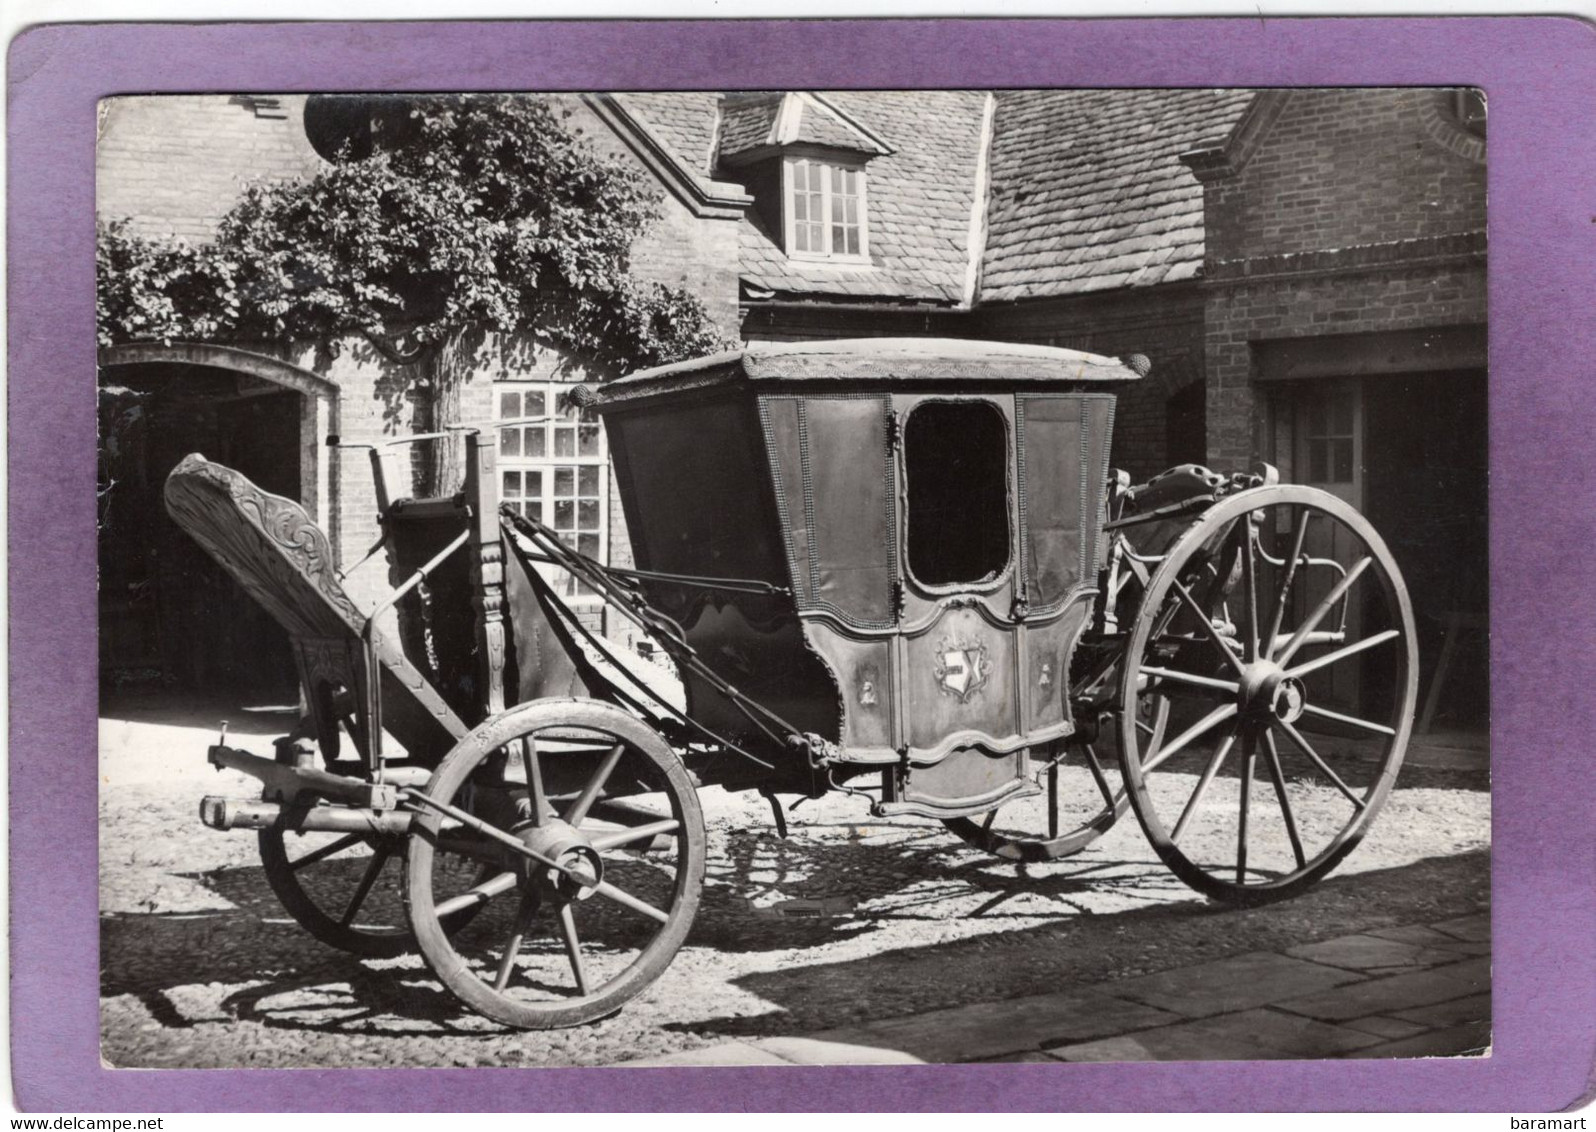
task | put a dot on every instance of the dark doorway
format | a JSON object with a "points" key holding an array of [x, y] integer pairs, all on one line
{"points": [[1186, 425], [170, 617], [1426, 481]]}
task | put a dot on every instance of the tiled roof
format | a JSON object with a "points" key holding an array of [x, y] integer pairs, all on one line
{"points": [[747, 125], [1088, 192], [682, 120], [819, 124], [919, 201], [1087, 189]]}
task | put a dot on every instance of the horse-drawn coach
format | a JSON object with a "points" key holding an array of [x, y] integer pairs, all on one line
{"points": [[900, 569]]}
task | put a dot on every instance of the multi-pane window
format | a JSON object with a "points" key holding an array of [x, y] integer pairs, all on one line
{"points": [[1331, 438], [826, 209], [555, 470]]}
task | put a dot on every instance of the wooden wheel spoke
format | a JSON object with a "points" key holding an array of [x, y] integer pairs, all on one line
{"points": [[1302, 744], [604, 841], [1207, 625], [534, 779], [1349, 720], [369, 878], [1247, 745], [584, 801], [478, 894], [1204, 725], [1299, 531], [1342, 653], [1203, 783], [573, 946], [627, 900], [1192, 679], [1279, 778], [512, 946], [1249, 582], [1322, 610], [1096, 767], [326, 851]]}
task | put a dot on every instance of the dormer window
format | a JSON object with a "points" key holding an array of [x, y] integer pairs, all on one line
{"points": [[825, 213], [803, 161]]}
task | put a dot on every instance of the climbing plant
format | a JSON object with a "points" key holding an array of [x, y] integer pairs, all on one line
{"points": [[454, 223]]}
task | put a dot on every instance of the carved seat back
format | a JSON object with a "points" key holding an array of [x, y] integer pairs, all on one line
{"points": [[282, 559]]}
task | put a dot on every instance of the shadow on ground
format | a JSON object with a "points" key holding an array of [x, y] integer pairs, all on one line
{"points": [[1079, 952]]}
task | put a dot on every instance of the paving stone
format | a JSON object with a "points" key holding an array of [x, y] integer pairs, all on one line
{"points": [[1370, 952], [1183, 1042], [812, 1051], [1399, 992], [992, 1029], [1421, 935], [1470, 929], [1471, 1038], [1292, 1035], [1474, 1008], [1383, 1027], [1239, 983]]}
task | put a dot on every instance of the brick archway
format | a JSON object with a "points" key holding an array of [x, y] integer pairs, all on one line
{"points": [[318, 419]]}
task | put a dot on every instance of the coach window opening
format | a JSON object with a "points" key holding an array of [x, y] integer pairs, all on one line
{"points": [[955, 460]]}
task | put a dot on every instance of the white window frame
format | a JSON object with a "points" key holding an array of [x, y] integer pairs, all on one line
{"points": [[547, 464], [788, 188]]}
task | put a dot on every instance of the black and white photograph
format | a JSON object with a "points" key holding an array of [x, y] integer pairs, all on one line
{"points": [[793, 577]]}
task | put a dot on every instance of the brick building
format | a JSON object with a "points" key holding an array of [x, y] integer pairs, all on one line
{"points": [[1304, 268]]}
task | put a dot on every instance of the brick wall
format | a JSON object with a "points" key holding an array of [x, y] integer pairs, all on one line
{"points": [[175, 164], [1164, 323], [680, 249], [1360, 211], [1339, 168]]}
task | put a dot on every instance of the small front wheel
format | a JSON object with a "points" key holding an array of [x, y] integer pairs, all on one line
{"points": [[599, 842]]}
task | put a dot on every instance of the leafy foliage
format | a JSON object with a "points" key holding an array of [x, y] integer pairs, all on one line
{"points": [[474, 213]]}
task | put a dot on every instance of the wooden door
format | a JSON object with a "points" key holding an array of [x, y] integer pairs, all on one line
{"points": [[1328, 432]]}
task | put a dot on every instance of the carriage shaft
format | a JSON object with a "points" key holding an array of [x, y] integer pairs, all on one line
{"points": [[231, 813], [286, 783]]}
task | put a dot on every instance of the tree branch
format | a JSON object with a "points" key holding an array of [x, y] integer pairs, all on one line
{"points": [[389, 351]]}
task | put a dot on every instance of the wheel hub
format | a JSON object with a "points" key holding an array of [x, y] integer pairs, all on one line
{"points": [[581, 868], [1267, 692]]}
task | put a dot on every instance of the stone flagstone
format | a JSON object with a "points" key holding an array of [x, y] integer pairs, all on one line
{"points": [[1382, 1027], [1239, 983], [1397, 993], [1472, 1037], [1420, 935], [991, 1029], [1474, 1008], [1167, 1043], [1471, 929], [1370, 953], [1290, 1035]]}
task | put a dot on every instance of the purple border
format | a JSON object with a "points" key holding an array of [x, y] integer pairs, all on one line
{"points": [[1540, 75]]}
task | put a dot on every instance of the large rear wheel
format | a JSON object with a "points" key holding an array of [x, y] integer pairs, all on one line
{"points": [[1280, 635]]}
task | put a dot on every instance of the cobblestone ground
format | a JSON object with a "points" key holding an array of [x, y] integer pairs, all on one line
{"points": [[849, 921]]}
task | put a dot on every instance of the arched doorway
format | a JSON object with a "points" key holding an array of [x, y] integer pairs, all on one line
{"points": [[169, 617]]}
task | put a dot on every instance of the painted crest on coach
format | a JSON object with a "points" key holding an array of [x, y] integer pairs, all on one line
{"points": [[961, 669]]}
